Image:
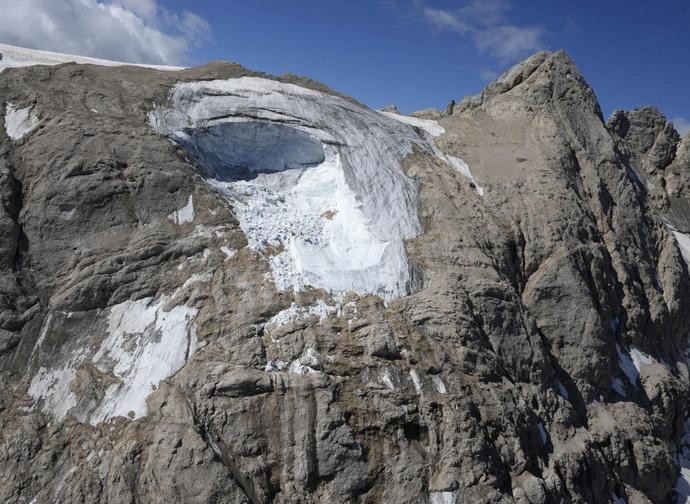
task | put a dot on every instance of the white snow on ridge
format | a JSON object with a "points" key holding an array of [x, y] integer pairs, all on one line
{"points": [[13, 56], [429, 125], [341, 224], [19, 121]]}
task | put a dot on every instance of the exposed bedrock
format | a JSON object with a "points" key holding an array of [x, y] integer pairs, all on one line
{"points": [[223, 286]]}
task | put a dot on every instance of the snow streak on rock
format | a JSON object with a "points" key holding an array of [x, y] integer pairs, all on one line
{"points": [[338, 210]]}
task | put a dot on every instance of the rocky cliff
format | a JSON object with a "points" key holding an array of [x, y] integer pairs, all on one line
{"points": [[221, 286]]}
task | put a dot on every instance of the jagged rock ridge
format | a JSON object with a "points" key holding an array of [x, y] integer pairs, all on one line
{"points": [[512, 329]]}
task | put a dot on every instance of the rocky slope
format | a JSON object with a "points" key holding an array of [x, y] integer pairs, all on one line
{"points": [[223, 286]]}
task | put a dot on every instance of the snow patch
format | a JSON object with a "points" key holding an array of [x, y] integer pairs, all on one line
{"points": [[628, 366], [146, 342], [145, 345], [617, 385], [640, 358], [53, 387], [619, 500], [386, 379], [296, 367], [308, 363], [184, 214], [19, 121], [683, 241], [442, 497], [440, 386], [44, 332], [228, 251], [416, 381], [196, 278], [462, 167], [295, 312]]}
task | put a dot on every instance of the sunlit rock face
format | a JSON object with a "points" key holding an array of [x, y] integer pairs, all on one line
{"points": [[218, 308]]}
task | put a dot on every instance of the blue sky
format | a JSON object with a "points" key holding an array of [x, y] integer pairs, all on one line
{"points": [[412, 53]]}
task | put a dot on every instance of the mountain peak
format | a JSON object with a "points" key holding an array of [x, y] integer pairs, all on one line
{"points": [[541, 79]]}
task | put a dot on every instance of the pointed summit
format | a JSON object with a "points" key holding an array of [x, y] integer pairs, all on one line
{"points": [[543, 79]]}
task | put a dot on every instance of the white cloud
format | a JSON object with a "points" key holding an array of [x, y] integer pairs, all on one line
{"points": [[487, 24], [142, 8], [509, 42], [444, 19], [136, 31], [488, 74], [682, 125]]}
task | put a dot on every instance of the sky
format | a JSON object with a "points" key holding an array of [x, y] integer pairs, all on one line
{"points": [[411, 53]]}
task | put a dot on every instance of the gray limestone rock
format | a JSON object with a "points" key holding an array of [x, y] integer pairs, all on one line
{"points": [[147, 354]]}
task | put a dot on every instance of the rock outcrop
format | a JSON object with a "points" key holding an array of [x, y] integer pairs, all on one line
{"points": [[530, 348]]}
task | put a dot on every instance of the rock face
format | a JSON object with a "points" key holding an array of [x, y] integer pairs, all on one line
{"points": [[223, 286]]}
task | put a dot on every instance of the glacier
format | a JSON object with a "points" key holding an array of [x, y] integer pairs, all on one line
{"points": [[316, 176]]}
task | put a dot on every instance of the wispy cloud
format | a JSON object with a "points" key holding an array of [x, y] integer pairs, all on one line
{"points": [[682, 125], [444, 19], [488, 74], [138, 31], [487, 24]]}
